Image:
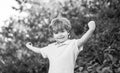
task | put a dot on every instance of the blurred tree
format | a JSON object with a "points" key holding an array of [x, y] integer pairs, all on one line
{"points": [[16, 58]]}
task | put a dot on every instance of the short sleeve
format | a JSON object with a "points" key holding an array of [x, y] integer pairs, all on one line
{"points": [[43, 52], [77, 49]]}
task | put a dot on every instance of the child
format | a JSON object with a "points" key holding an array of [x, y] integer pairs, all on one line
{"points": [[62, 54]]}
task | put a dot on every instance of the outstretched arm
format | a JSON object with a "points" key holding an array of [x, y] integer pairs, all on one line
{"points": [[42, 51], [88, 34], [30, 46]]}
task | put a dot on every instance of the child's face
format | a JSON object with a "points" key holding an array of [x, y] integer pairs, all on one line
{"points": [[61, 36]]}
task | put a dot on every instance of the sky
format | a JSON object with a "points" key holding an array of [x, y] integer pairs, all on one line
{"points": [[5, 10]]}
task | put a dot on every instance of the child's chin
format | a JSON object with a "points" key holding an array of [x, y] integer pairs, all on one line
{"points": [[61, 41]]}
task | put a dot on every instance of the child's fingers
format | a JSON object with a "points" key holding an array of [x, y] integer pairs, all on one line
{"points": [[29, 43], [91, 25]]}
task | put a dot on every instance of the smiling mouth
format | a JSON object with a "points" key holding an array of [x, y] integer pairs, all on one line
{"points": [[60, 38]]}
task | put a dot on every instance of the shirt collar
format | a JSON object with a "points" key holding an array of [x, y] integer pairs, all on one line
{"points": [[61, 44]]}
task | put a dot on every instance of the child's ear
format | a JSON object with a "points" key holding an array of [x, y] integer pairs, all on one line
{"points": [[69, 35]]}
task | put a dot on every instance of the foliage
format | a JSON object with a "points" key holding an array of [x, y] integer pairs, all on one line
{"points": [[101, 53]]}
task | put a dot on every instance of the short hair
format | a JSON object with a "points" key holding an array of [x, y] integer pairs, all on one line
{"points": [[59, 24]]}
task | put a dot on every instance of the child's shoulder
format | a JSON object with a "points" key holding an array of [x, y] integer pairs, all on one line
{"points": [[52, 44], [69, 41], [66, 42], [72, 40]]}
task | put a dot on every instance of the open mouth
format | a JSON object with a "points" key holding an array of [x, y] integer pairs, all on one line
{"points": [[60, 37]]}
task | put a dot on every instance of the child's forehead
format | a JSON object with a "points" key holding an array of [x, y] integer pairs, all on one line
{"points": [[60, 20]]}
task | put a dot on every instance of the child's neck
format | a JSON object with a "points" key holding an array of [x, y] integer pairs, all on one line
{"points": [[57, 42]]}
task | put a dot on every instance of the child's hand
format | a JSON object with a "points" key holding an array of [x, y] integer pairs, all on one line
{"points": [[91, 25], [29, 44]]}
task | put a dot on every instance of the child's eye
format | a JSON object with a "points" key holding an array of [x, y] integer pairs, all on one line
{"points": [[56, 32], [62, 31]]}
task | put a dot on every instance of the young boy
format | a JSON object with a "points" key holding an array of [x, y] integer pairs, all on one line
{"points": [[63, 53]]}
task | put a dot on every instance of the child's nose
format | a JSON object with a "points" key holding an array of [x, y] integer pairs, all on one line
{"points": [[60, 33]]}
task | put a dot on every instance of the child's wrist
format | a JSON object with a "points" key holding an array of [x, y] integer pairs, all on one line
{"points": [[29, 46], [91, 29]]}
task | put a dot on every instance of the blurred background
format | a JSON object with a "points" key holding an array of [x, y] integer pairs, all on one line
{"points": [[24, 21]]}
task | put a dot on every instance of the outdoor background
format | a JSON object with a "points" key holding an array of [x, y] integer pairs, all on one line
{"points": [[23, 21]]}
